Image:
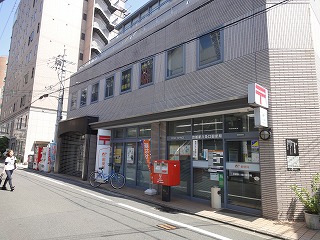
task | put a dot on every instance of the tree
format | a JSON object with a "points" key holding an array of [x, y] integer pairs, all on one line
{"points": [[4, 144]]}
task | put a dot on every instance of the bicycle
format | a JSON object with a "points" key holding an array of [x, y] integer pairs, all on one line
{"points": [[117, 180]]}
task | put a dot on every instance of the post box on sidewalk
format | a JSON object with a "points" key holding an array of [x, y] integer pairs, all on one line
{"points": [[167, 174]]}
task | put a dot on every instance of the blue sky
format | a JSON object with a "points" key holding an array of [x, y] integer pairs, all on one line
{"points": [[7, 12]]}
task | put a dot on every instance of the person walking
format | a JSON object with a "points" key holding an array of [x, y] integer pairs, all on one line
{"points": [[9, 167]]}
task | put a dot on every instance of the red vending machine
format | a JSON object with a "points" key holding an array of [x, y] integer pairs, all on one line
{"points": [[38, 147]]}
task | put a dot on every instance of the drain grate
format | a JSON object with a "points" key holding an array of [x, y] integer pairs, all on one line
{"points": [[166, 226]]}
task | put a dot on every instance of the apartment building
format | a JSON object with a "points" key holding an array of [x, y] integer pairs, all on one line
{"points": [[3, 70], [178, 74], [49, 40]]}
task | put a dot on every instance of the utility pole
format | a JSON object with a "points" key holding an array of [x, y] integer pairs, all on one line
{"points": [[60, 67]]}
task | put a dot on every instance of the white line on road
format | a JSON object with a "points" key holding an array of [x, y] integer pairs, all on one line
{"points": [[195, 229]]}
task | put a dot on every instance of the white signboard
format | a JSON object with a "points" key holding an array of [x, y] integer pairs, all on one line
{"points": [[236, 166], [103, 149], [257, 95], [260, 117]]}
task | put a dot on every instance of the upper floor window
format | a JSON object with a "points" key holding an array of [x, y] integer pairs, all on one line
{"points": [[73, 102], [210, 48], [146, 72], [84, 17], [126, 80], [83, 100], [109, 87], [175, 64], [95, 93], [26, 78], [32, 73]]}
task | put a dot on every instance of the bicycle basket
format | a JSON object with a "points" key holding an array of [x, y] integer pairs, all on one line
{"points": [[117, 169]]}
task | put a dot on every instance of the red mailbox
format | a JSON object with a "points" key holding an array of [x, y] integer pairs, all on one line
{"points": [[166, 172]]}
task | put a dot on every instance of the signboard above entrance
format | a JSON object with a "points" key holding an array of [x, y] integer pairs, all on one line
{"points": [[257, 95]]}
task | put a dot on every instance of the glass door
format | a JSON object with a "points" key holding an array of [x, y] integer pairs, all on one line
{"points": [[130, 162], [143, 173], [243, 175]]}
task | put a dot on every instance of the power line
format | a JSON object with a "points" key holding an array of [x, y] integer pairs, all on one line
{"points": [[8, 19]]}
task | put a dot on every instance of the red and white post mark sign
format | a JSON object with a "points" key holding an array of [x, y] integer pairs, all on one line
{"points": [[257, 95]]}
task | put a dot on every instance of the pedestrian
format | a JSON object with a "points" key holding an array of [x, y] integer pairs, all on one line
{"points": [[9, 167]]}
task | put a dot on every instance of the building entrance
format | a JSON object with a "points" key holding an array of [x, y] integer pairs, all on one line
{"points": [[243, 188]]}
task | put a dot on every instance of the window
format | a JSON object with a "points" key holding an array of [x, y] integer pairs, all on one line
{"points": [[132, 132], [145, 131], [32, 73], [26, 77], [209, 48], [109, 87], [83, 100], [30, 38], [126, 80], [84, 17], [23, 101], [26, 120], [83, 36], [95, 93], [38, 28], [175, 62], [80, 56], [73, 102], [146, 72]]}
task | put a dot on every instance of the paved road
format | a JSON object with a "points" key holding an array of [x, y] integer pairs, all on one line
{"points": [[44, 208]]}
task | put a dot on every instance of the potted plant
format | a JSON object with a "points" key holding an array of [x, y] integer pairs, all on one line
{"points": [[310, 201]]}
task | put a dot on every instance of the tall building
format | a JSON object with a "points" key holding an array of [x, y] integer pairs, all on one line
{"points": [[3, 70], [49, 40], [179, 73]]}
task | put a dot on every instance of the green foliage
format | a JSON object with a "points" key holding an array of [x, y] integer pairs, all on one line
{"points": [[310, 200], [4, 144]]}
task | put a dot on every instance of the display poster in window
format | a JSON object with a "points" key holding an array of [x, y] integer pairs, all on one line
{"points": [[130, 154], [195, 149], [292, 149], [117, 155]]}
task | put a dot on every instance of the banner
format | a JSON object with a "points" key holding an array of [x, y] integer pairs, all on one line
{"points": [[147, 152], [103, 149]]}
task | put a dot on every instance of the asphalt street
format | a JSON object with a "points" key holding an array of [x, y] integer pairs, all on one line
{"points": [[45, 208]]}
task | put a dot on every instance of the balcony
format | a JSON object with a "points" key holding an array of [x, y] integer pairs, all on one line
{"points": [[102, 27], [97, 43]]}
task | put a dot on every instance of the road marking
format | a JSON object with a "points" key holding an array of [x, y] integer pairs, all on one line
{"points": [[95, 195], [195, 229], [167, 226]]}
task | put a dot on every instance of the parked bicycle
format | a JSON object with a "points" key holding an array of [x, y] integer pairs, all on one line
{"points": [[116, 179]]}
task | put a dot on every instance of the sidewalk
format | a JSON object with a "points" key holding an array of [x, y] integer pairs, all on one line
{"points": [[279, 229]]}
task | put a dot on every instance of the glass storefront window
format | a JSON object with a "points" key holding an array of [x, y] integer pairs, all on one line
{"points": [[143, 173], [132, 132], [180, 150], [118, 133], [145, 131], [239, 122], [208, 125], [118, 155], [179, 128]]}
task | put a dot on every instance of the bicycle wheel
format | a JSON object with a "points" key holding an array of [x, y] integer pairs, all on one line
{"points": [[93, 179], [117, 180]]}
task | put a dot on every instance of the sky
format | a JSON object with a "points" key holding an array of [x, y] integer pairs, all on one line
{"points": [[7, 12]]}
